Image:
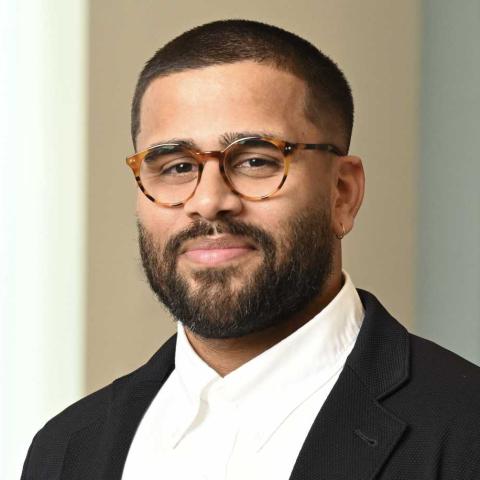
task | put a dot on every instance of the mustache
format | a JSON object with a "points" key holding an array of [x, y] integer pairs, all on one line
{"points": [[201, 228]]}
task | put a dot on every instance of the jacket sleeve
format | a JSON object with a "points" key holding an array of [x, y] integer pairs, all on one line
{"points": [[26, 474], [474, 474]]}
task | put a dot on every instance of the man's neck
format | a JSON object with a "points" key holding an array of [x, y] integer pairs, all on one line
{"points": [[225, 355]]}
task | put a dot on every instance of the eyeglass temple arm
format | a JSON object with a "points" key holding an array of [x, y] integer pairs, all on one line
{"points": [[325, 147]]}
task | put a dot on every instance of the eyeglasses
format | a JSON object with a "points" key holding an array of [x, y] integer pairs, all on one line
{"points": [[253, 167]]}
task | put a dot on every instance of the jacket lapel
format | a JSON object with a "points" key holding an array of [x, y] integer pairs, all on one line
{"points": [[131, 398], [353, 435]]}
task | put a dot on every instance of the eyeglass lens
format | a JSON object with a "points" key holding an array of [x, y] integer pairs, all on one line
{"points": [[254, 167]]}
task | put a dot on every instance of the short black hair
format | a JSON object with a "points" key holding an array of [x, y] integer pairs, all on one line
{"points": [[228, 41]]}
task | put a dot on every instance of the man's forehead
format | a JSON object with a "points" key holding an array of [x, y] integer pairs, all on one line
{"points": [[239, 97], [245, 78]]}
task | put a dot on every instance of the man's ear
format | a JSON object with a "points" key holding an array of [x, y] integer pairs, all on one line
{"points": [[347, 193]]}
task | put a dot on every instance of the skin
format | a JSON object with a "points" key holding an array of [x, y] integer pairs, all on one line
{"points": [[204, 104]]}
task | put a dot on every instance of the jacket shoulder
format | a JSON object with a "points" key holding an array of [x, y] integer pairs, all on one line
{"points": [[83, 419], [442, 394], [439, 403], [47, 451], [79, 427], [444, 372], [79, 414]]}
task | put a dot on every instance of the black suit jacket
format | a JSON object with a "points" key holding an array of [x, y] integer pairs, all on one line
{"points": [[403, 408]]}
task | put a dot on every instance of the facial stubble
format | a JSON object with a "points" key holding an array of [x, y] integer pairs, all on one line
{"points": [[233, 301]]}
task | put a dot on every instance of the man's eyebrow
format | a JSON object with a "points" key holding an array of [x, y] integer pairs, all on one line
{"points": [[229, 137], [225, 139], [187, 142]]}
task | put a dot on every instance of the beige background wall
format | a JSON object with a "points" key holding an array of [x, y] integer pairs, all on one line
{"points": [[376, 43]]}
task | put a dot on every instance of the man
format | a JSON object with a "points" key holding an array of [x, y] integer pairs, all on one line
{"points": [[281, 368]]}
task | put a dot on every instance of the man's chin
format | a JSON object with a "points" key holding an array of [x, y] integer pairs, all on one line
{"points": [[220, 279]]}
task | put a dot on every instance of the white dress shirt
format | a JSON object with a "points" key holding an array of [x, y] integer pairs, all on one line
{"points": [[252, 423]]}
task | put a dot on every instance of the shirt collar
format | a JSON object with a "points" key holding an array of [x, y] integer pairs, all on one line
{"points": [[285, 374]]}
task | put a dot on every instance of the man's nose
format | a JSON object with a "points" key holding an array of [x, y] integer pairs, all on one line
{"points": [[213, 196]]}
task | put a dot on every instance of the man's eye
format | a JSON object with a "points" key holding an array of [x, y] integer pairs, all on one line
{"points": [[255, 162], [256, 165], [180, 168]]}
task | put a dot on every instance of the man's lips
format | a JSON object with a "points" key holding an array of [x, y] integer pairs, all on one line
{"points": [[213, 251]]}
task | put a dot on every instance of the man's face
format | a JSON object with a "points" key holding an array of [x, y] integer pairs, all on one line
{"points": [[223, 265]]}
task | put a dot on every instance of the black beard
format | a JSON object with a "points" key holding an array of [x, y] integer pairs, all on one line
{"points": [[287, 280]]}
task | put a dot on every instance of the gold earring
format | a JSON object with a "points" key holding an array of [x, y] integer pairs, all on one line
{"points": [[342, 234]]}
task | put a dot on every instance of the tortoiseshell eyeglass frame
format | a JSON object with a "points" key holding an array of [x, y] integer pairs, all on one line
{"points": [[287, 148]]}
